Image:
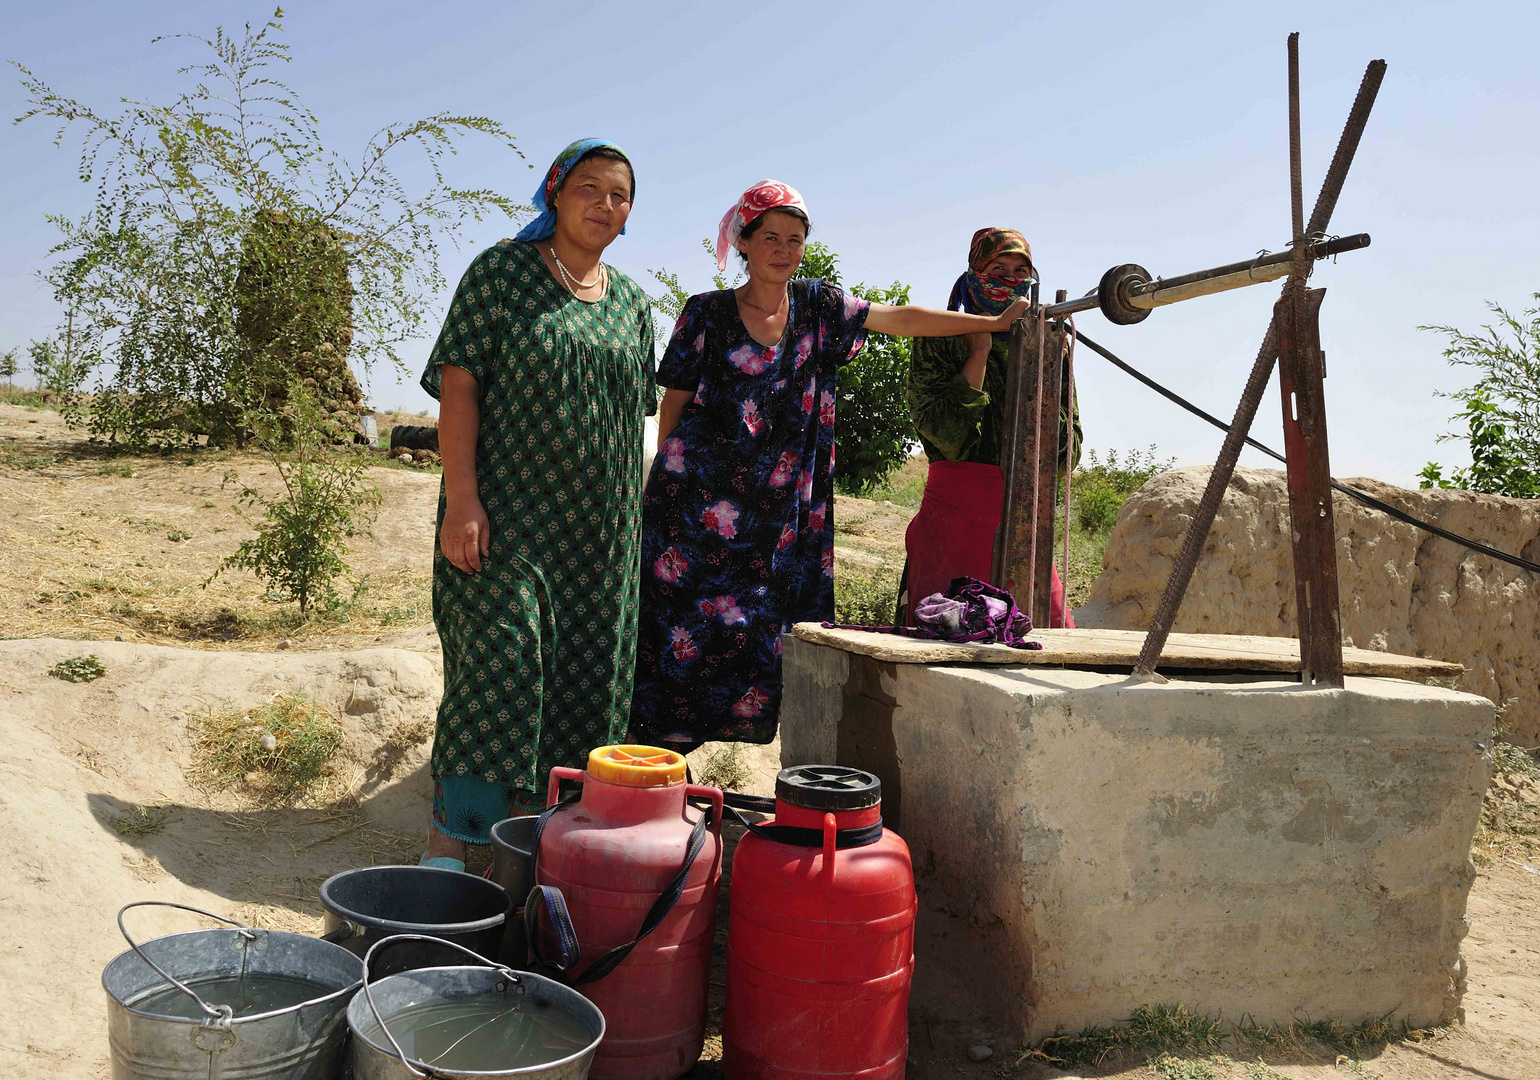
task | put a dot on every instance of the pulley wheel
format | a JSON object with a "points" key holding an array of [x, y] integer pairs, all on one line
{"points": [[1112, 294]]}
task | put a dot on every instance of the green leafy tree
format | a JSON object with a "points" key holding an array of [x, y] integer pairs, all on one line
{"points": [[873, 435], [8, 366], [301, 545], [231, 181], [56, 369], [1502, 408], [1498, 464]]}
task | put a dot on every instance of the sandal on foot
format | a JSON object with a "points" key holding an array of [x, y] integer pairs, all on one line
{"points": [[443, 862]]}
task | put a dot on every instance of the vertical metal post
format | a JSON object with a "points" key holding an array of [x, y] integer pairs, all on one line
{"points": [[1050, 382], [1029, 462], [1013, 568], [1313, 529]]}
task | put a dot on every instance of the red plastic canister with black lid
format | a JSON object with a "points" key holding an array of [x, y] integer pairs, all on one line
{"points": [[820, 948]]}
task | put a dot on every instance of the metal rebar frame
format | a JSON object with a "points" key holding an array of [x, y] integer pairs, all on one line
{"points": [[1251, 397], [1030, 436]]}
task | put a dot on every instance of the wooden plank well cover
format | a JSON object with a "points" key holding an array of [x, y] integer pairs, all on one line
{"points": [[1120, 649]]}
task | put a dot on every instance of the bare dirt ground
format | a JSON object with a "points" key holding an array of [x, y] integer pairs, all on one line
{"points": [[98, 545], [94, 777]]}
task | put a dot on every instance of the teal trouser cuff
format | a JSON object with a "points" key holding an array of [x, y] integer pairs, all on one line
{"points": [[465, 808]]}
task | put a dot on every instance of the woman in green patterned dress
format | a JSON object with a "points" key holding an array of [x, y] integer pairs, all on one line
{"points": [[543, 371]]}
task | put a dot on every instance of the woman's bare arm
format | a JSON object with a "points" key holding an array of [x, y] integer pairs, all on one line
{"points": [[914, 321], [466, 534], [669, 411]]}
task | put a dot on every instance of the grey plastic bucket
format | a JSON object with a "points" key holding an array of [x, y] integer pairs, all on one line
{"points": [[366, 905], [306, 1041], [383, 1000], [513, 867]]}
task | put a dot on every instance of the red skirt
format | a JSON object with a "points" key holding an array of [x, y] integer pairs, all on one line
{"points": [[953, 535]]}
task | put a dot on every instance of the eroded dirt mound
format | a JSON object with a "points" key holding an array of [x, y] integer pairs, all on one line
{"points": [[1402, 589], [100, 811]]}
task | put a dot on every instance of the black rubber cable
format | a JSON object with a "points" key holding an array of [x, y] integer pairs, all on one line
{"points": [[1351, 492]]}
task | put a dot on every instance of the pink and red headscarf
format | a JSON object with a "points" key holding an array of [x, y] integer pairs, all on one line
{"points": [[762, 196]]}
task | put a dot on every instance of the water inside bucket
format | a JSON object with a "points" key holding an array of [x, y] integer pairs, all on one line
{"points": [[483, 1033], [247, 995]]}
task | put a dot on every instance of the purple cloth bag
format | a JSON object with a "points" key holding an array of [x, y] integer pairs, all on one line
{"points": [[969, 610]]}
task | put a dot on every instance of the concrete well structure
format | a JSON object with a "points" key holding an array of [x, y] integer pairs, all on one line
{"points": [[1085, 845]]}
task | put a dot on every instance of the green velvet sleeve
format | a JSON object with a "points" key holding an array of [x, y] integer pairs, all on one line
{"points": [[947, 413]]}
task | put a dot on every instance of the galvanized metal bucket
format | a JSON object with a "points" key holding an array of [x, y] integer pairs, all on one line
{"points": [[381, 1001], [306, 1041], [513, 867]]}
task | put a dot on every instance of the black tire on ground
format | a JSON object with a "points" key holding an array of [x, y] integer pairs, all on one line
{"points": [[413, 437]]}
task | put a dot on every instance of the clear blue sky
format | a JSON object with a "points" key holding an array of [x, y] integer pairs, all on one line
{"points": [[1108, 133]]}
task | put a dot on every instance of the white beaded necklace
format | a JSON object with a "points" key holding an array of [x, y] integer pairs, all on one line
{"points": [[571, 281]]}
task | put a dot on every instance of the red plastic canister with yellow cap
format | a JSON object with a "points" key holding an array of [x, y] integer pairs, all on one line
{"points": [[612, 854]]}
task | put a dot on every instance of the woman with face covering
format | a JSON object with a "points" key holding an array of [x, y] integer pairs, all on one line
{"points": [[544, 371], [738, 514], [957, 403]]}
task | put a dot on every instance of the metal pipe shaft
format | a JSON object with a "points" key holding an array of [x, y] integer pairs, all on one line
{"points": [[1217, 279], [1237, 275]]}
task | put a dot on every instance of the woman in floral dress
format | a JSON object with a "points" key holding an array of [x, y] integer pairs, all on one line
{"points": [[544, 370], [738, 513]]}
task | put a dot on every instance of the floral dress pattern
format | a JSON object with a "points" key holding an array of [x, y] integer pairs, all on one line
{"points": [[538, 646], [738, 514]]}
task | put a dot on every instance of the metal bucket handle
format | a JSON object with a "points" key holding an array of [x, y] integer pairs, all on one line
{"points": [[220, 1015], [508, 973]]}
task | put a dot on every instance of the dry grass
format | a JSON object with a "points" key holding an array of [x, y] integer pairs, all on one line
{"points": [[1178, 1043], [140, 821], [1509, 828], [279, 752], [725, 769], [95, 544]]}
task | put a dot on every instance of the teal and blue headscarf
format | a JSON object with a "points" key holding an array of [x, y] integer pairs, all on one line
{"points": [[544, 225]]}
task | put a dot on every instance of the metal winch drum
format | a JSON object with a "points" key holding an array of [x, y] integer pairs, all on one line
{"points": [[303, 1041], [367, 905], [377, 1055]]}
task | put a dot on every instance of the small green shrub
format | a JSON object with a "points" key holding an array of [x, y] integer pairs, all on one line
{"points": [[176, 536], [900, 491], [79, 669], [1097, 510], [1100, 488], [300, 549], [864, 599], [1502, 409]]}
